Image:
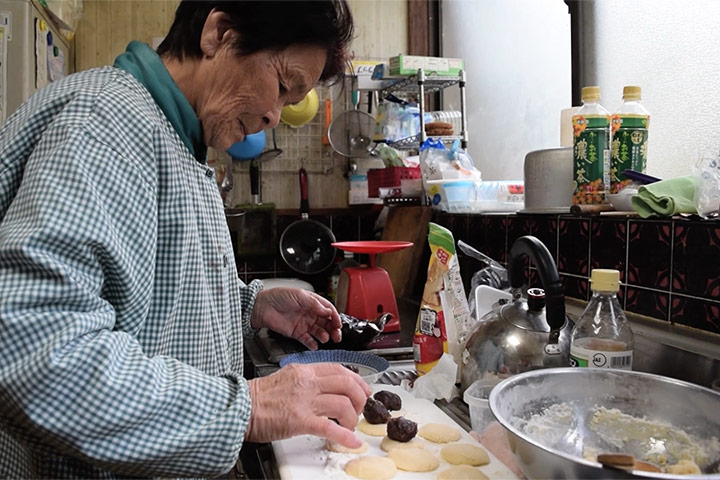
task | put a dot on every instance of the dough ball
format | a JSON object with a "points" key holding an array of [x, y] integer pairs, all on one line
{"points": [[401, 429], [389, 444], [684, 467], [371, 468], [372, 429], [392, 401], [375, 412], [413, 459], [337, 447], [462, 472], [465, 454], [439, 433]]}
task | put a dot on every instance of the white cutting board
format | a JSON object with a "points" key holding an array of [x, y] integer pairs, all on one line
{"points": [[306, 458]]}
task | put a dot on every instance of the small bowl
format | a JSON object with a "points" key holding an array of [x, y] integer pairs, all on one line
{"points": [[476, 396], [300, 113], [369, 366], [622, 201]]}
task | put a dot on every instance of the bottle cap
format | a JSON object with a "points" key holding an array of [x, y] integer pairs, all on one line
{"points": [[631, 92], [604, 280], [591, 94]]}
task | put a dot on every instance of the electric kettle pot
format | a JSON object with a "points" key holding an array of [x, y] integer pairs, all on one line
{"points": [[525, 334]]}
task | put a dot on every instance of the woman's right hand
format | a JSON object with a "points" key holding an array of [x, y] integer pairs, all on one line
{"points": [[302, 399]]}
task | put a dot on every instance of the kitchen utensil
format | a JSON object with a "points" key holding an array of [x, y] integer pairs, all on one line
{"points": [[366, 291], [643, 178], [271, 154], [548, 180], [328, 121], [228, 181], [522, 335], [622, 201], [559, 449], [257, 234], [351, 132], [406, 224], [300, 113], [306, 245]]}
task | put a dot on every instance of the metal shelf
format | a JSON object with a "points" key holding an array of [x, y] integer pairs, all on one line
{"points": [[432, 84], [413, 142]]}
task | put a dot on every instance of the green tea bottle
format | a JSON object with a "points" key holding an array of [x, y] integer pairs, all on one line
{"points": [[629, 138], [591, 149]]}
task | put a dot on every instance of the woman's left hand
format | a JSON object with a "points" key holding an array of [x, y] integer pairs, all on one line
{"points": [[302, 315]]}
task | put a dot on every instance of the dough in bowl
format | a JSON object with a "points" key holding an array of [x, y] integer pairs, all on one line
{"points": [[371, 468], [413, 459], [465, 454], [439, 433], [462, 472]]}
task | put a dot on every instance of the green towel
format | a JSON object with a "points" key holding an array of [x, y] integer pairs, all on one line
{"points": [[666, 198]]}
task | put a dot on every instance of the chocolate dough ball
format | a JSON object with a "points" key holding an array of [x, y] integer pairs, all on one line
{"points": [[375, 412], [391, 400], [401, 429]]}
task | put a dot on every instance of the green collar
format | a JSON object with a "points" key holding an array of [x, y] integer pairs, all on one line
{"points": [[145, 65]]}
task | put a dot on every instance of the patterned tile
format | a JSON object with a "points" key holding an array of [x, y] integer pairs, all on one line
{"points": [[649, 250], [696, 313], [493, 236], [575, 287], [647, 302], [346, 228], [696, 259], [574, 246], [607, 244], [260, 264], [367, 227], [545, 228]]}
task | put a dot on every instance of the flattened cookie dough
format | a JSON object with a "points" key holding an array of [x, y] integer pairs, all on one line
{"points": [[465, 454], [413, 459], [439, 433], [374, 430], [462, 472], [336, 447], [389, 444], [371, 468]]}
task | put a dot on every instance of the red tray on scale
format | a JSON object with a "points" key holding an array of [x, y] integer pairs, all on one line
{"points": [[366, 292]]}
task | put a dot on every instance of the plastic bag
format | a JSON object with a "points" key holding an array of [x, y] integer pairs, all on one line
{"points": [[357, 333], [707, 193], [440, 163], [493, 274]]}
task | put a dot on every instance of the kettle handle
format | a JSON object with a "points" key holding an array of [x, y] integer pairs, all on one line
{"points": [[540, 256]]}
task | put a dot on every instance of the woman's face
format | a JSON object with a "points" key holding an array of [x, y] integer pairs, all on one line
{"points": [[238, 95]]}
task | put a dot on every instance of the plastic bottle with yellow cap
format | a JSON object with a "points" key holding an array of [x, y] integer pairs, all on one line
{"points": [[602, 337], [629, 138], [591, 149]]}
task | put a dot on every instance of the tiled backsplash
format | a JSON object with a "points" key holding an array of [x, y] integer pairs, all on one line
{"points": [[346, 225], [669, 269]]}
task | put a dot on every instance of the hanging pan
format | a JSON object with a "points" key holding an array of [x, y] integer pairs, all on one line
{"points": [[306, 245]]}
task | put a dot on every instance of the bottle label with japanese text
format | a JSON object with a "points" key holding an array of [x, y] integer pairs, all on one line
{"points": [[591, 158], [584, 357], [629, 148]]}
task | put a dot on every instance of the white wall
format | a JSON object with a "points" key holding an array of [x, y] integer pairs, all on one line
{"points": [[517, 57], [672, 50]]}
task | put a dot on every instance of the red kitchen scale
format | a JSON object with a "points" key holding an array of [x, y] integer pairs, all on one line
{"points": [[366, 291]]}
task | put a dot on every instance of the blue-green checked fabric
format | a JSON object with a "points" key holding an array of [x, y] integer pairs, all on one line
{"points": [[121, 314]]}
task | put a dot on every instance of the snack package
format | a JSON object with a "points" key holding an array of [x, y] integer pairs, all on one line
{"points": [[444, 319]]}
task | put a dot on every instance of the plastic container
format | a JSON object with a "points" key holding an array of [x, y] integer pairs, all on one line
{"points": [[347, 261], [454, 196], [591, 149], [602, 337], [476, 396], [629, 138]]}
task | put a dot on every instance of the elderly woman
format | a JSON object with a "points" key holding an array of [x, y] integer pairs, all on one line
{"points": [[121, 314]]}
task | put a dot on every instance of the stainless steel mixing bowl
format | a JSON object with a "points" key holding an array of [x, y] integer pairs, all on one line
{"points": [[556, 444]]}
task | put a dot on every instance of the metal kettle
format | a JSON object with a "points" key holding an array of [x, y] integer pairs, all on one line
{"points": [[525, 334]]}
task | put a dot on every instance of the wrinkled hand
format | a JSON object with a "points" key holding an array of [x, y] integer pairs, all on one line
{"points": [[301, 399], [297, 313]]}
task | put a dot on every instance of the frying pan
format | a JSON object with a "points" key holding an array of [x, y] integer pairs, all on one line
{"points": [[306, 245]]}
